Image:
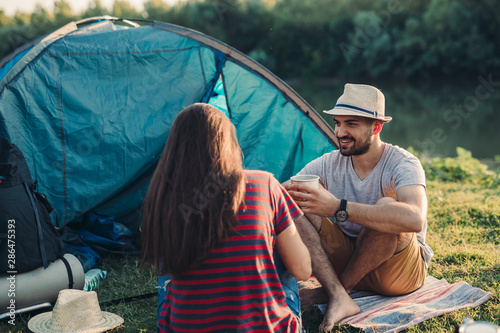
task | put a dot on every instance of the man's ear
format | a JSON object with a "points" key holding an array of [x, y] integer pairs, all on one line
{"points": [[377, 127]]}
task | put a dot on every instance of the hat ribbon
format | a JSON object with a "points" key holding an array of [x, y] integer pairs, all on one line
{"points": [[373, 113]]}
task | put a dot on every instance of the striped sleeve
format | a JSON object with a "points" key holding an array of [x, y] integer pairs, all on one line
{"points": [[285, 208]]}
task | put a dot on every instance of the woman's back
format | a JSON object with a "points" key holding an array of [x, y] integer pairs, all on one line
{"points": [[237, 288]]}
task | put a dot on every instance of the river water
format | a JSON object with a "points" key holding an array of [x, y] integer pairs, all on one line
{"points": [[432, 117]]}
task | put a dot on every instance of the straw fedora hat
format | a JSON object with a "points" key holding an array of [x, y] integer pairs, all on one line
{"points": [[75, 311], [361, 100]]}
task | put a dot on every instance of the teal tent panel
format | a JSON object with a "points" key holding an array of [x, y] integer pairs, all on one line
{"points": [[97, 110], [4, 69], [91, 108], [218, 97], [273, 133]]}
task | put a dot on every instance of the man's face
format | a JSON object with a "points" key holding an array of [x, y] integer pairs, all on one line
{"points": [[355, 134]]}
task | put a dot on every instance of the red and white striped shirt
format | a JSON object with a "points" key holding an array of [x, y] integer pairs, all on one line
{"points": [[237, 288]]}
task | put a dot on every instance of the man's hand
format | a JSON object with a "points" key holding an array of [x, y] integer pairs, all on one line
{"points": [[317, 201]]}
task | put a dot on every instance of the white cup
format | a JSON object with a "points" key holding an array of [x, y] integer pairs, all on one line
{"points": [[309, 180]]}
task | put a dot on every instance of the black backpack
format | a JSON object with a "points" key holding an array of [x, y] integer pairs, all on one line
{"points": [[28, 238]]}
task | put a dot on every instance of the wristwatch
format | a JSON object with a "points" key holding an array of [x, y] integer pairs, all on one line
{"points": [[341, 215]]}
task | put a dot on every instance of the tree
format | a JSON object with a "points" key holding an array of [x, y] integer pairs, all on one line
{"points": [[315, 38], [95, 8], [123, 9], [459, 39]]}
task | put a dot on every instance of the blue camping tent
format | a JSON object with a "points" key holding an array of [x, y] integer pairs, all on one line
{"points": [[91, 105]]}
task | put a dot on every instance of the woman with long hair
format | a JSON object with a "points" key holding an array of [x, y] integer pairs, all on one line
{"points": [[214, 226]]}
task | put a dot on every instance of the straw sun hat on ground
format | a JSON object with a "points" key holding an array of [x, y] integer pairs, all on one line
{"points": [[75, 311], [361, 100]]}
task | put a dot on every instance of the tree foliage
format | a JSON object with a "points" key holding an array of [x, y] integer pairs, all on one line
{"points": [[349, 38]]}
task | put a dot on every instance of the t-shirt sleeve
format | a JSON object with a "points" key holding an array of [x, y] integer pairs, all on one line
{"points": [[284, 207], [315, 167], [409, 172]]}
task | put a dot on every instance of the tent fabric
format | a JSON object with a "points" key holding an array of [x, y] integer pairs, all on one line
{"points": [[91, 106]]}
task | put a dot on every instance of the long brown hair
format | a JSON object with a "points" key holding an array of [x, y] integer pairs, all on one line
{"points": [[195, 191]]}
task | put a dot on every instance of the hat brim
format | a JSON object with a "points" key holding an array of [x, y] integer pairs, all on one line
{"points": [[42, 324], [341, 111]]}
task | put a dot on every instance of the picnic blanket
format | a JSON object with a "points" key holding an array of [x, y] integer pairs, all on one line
{"points": [[392, 314]]}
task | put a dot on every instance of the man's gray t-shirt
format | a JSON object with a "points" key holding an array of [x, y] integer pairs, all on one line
{"points": [[396, 168]]}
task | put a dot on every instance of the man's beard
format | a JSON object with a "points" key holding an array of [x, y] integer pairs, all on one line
{"points": [[357, 148]]}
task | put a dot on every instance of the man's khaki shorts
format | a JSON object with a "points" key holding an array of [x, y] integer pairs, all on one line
{"points": [[401, 274]]}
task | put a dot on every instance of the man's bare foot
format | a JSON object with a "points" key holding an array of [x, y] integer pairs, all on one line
{"points": [[338, 308], [311, 296]]}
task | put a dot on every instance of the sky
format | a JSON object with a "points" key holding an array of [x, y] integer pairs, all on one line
{"points": [[11, 6]]}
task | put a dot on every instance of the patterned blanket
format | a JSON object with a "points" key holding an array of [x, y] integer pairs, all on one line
{"points": [[393, 314]]}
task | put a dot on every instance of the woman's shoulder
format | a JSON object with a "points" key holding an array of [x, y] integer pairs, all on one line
{"points": [[258, 175]]}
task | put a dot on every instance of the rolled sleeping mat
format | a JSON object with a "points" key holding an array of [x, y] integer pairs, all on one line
{"points": [[18, 291]]}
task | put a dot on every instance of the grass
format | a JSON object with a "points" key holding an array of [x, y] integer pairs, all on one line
{"points": [[464, 232]]}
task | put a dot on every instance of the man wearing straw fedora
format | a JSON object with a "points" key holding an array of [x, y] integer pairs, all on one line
{"points": [[365, 227]]}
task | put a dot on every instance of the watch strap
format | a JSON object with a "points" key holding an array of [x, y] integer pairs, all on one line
{"points": [[343, 204]]}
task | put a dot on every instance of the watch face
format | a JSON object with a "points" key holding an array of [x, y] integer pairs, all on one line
{"points": [[341, 216]]}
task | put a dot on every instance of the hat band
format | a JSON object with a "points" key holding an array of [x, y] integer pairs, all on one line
{"points": [[358, 109]]}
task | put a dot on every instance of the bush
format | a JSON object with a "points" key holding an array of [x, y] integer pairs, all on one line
{"points": [[463, 168]]}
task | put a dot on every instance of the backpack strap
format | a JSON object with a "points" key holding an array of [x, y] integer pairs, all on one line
{"points": [[70, 272], [39, 226], [43, 199]]}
